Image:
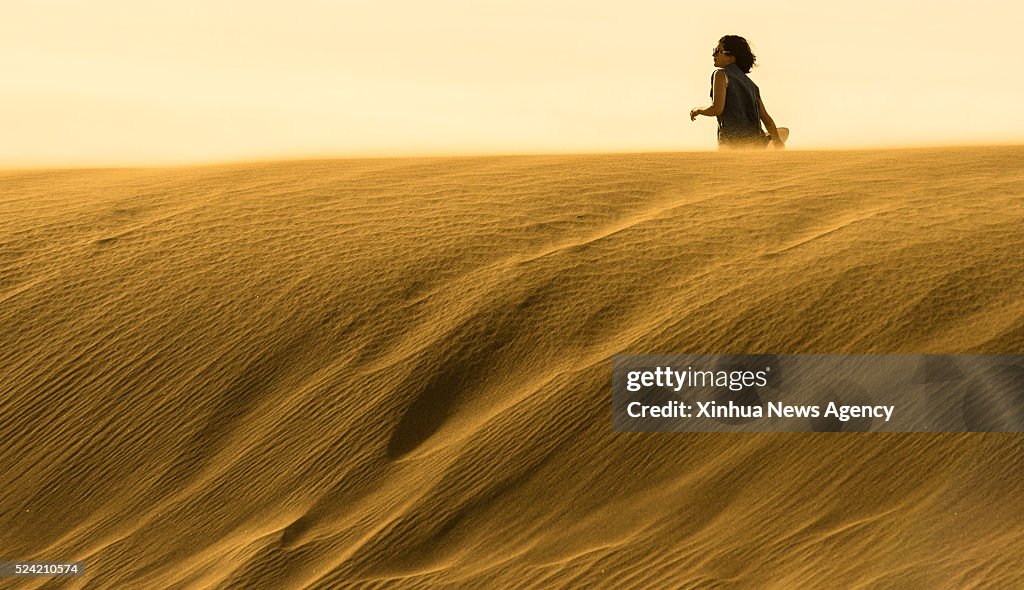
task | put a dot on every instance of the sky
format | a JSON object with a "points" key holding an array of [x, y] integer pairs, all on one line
{"points": [[112, 82]]}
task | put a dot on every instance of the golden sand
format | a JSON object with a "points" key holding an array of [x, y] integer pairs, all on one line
{"points": [[358, 373]]}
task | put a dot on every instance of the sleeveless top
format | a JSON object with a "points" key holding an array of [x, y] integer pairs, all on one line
{"points": [[740, 120]]}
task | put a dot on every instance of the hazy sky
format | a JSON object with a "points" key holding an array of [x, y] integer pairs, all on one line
{"points": [[126, 82]]}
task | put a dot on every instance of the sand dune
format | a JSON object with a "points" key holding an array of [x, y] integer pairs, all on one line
{"points": [[365, 373]]}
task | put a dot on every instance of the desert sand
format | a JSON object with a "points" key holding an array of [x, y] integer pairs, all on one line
{"points": [[396, 372]]}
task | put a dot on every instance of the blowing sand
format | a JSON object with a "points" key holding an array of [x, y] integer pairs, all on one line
{"points": [[359, 373]]}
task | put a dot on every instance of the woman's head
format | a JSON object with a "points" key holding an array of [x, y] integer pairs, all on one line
{"points": [[738, 47]]}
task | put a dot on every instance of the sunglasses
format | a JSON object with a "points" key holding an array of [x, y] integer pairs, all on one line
{"points": [[717, 51]]}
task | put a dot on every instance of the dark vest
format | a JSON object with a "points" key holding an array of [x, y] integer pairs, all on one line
{"points": [[740, 119]]}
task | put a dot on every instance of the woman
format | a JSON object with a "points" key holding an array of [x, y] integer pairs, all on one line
{"points": [[736, 100]]}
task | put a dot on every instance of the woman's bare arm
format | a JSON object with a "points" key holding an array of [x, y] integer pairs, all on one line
{"points": [[769, 124], [718, 86]]}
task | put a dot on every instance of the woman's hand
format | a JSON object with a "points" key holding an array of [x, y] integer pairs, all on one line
{"points": [[695, 112]]}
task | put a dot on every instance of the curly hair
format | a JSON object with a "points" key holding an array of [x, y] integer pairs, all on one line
{"points": [[737, 46]]}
